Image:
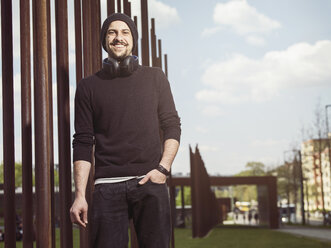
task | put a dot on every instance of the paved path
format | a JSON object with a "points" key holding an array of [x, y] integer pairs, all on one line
{"points": [[317, 233]]}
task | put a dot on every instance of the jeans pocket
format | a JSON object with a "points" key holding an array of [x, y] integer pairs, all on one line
{"points": [[109, 190]]}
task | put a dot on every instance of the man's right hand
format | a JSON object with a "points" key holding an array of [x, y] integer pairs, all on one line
{"points": [[78, 211]]}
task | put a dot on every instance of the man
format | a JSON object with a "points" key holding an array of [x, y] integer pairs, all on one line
{"points": [[120, 110]]}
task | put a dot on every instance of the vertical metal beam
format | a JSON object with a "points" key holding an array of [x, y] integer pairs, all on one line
{"points": [[166, 64], [8, 122], [62, 66], [126, 8], [42, 142], [51, 144], [88, 68], [95, 30], [110, 7], [159, 59], [153, 45], [119, 6], [273, 210], [135, 52], [26, 124], [144, 30], [78, 40]]}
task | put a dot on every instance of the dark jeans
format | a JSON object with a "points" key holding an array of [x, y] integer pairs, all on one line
{"points": [[114, 203]]}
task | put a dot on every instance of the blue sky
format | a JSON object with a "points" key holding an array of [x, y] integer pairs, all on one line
{"points": [[246, 75]]}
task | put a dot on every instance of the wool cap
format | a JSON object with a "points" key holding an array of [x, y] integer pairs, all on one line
{"points": [[119, 17]]}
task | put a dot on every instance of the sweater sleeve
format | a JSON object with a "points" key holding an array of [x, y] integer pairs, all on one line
{"points": [[168, 116], [83, 138]]}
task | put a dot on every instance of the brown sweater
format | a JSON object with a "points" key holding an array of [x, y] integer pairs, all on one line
{"points": [[122, 117]]}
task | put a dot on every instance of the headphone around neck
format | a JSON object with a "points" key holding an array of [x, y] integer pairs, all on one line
{"points": [[120, 69]]}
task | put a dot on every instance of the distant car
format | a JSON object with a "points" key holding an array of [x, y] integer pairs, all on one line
{"points": [[327, 218]]}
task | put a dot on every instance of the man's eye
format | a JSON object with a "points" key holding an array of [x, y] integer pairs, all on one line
{"points": [[126, 32], [110, 32]]}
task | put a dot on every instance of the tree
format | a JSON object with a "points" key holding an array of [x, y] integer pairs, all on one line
{"points": [[18, 174]]}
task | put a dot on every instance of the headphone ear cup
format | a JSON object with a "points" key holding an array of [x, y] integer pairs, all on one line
{"points": [[129, 65], [111, 66]]}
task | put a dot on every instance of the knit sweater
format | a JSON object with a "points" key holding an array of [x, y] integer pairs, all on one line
{"points": [[122, 116]]}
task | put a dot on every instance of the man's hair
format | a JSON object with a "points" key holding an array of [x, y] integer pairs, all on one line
{"points": [[118, 17]]}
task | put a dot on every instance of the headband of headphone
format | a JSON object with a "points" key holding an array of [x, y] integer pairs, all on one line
{"points": [[120, 69]]}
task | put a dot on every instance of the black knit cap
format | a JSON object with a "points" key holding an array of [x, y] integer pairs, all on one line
{"points": [[118, 17]]}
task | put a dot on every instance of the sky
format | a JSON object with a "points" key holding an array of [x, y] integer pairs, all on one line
{"points": [[246, 75]]}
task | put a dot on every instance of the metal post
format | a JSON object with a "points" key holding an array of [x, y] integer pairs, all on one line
{"points": [[26, 124], [135, 51], [78, 40], [159, 59], [153, 44], [144, 30], [42, 139], [110, 7], [8, 122], [301, 190], [327, 134], [62, 66], [166, 64], [119, 7], [95, 33], [51, 143]]}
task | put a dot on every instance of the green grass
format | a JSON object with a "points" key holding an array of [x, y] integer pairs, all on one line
{"points": [[230, 237], [238, 237]]}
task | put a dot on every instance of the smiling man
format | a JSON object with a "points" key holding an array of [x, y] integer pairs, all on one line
{"points": [[120, 110]]}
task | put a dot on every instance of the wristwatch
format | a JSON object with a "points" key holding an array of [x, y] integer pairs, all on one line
{"points": [[163, 170]]}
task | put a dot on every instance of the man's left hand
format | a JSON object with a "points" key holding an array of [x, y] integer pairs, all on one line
{"points": [[155, 176]]}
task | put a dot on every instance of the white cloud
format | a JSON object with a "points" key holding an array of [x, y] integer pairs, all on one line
{"points": [[255, 40], [165, 15], [241, 79], [211, 110], [243, 18], [210, 31]]}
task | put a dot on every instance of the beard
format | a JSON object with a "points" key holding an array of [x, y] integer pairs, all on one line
{"points": [[118, 55]]}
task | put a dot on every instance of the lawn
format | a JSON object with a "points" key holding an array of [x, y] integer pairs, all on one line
{"points": [[231, 237]]}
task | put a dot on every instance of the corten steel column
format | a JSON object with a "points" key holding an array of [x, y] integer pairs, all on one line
{"points": [[8, 122], [51, 144], [119, 7], [78, 40], [144, 30], [110, 7], [153, 44], [63, 101], [42, 142], [303, 217], [193, 196], [95, 30], [127, 8], [26, 124], [273, 210], [135, 51], [88, 68], [166, 64], [159, 59]]}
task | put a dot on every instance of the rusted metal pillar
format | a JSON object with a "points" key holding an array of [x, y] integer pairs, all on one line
{"points": [[166, 64], [42, 139], [153, 44], [119, 7], [273, 210], [159, 59], [88, 69], [62, 66], [95, 33], [135, 51], [127, 7], [78, 40], [183, 204], [28, 233], [51, 143], [110, 7], [144, 30], [8, 122]]}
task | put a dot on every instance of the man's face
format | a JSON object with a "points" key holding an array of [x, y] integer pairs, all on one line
{"points": [[119, 40]]}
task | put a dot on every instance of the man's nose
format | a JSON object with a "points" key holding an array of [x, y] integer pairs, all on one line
{"points": [[119, 37]]}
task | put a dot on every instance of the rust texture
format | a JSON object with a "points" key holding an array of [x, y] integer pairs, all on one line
{"points": [[8, 122]]}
